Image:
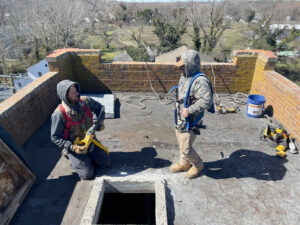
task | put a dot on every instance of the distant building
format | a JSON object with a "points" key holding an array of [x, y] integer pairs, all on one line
{"points": [[123, 57], [21, 81], [287, 28], [5, 92], [38, 69], [171, 56], [289, 53]]}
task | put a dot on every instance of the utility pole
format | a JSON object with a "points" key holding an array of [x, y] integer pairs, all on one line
{"points": [[12, 83]]}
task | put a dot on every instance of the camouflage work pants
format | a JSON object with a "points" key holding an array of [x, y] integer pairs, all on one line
{"points": [[187, 153]]}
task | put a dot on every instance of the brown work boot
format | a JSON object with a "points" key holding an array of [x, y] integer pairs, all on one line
{"points": [[194, 171], [177, 167]]}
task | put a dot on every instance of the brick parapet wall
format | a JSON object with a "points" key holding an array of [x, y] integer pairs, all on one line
{"points": [[250, 70], [25, 112], [282, 94], [95, 76], [62, 60]]}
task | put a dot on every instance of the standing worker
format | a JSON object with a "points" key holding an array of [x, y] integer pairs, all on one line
{"points": [[193, 96], [71, 119]]}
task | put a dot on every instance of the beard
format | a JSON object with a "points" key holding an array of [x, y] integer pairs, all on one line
{"points": [[73, 101]]}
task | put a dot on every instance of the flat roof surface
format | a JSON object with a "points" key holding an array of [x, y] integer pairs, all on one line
{"points": [[243, 182]]}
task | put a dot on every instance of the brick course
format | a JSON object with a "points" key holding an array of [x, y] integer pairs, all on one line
{"points": [[23, 113], [282, 94]]}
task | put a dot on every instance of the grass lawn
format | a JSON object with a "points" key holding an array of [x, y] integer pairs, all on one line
{"points": [[231, 38], [108, 56], [234, 39]]}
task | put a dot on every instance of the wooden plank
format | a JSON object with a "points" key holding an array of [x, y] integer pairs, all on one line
{"points": [[15, 182]]}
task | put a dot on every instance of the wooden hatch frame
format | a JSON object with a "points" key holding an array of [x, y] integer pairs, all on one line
{"points": [[13, 168]]}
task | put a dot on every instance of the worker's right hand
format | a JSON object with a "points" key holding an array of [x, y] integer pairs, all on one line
{"points": [[79, 149]]}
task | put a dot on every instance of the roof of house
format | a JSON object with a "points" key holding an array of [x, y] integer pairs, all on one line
{"points": [[5, 92], [123, 57], [171, 56], [38, 69]]}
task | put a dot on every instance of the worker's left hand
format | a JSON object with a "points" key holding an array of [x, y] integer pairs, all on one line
{"points": [[184, 113], [101, 125]]}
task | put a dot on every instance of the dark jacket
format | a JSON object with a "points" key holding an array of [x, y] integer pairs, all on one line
{"points": [[58, 122]]}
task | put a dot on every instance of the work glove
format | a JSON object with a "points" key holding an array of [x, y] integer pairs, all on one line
{"points": [[79, 149], [101, 125]]}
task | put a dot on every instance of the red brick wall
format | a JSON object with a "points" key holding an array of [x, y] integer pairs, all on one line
{"points": [[282, 94], [95, 76], [22, 114], [134, 76], [60, 61]]}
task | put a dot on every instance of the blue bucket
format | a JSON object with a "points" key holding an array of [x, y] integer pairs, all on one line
{"points": [[255, 105]]}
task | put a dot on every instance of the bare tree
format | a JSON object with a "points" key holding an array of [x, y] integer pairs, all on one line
{"points": [[62, 20], [170, 31], [3, 41], [92, 12], [212, 21], [39, 25], [3, 51], [284, 10], [234, 9]]}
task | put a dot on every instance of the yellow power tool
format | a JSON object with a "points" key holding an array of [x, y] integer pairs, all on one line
{"points": [[278, 137], [220, 109], [90, 136]]}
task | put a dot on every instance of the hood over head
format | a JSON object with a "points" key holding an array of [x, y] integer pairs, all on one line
{"points": [[62, 90], [191, 59]]}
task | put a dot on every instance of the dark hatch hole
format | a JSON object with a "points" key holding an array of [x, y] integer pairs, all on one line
{"points": [[128, 208]]}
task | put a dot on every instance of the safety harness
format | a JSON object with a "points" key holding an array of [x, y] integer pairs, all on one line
{"points": [[69, 121], [187, 102]]}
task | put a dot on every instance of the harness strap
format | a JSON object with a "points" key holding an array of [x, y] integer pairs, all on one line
{"points": [[174, 87], [174, 109], [69, 121], [186, 102]]}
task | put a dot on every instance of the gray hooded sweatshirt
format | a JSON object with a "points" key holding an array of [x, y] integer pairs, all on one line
{"points": [[58, 121], [200, 92]]}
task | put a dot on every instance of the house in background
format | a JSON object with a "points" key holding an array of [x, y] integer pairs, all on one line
{"points": [[5, 92], [171, 56], [122, 57], [38, 69], [10, 84], [21, 81], [8, 88]]}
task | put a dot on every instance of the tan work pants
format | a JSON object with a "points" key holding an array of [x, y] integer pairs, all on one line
{"points": [[187, 153]]}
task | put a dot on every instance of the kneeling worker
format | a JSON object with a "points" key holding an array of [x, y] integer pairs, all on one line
{"points": [[193, 97], [71, 119]]}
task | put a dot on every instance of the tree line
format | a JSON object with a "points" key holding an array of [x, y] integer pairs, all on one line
{"points": [[31, 29]]}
